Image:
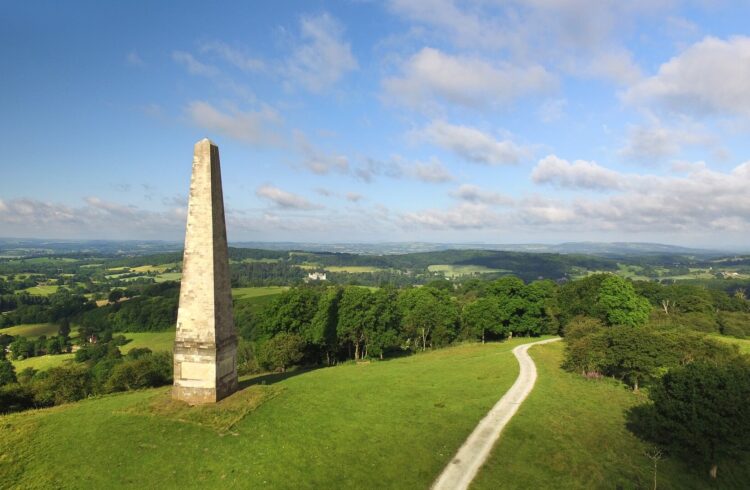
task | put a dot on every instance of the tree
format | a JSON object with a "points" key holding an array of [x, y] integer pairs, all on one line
{"points": [[483, 315], [427, 314], [115, 295], [381, 329], [322, 331], [7, 372], [62, 384], [699, 412], [282, 351], [620, 304], [354, 317]]}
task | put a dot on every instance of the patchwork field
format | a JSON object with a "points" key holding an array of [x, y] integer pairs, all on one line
{"points": [[44, 290], [391, 424], [570, 433], [42, 363], [461, 270]]}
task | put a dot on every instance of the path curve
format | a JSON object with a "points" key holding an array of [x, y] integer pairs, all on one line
{"points": [[474, 452]]}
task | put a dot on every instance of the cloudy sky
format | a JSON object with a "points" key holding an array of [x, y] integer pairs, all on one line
{"points": [[476, 121]]}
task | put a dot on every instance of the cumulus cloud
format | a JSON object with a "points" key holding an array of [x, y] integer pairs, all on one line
{"points": [[464, 216], [577, 175], [233, 56], [656, 142], [398, 167], [708, 78], [319, 161], [257, 128], [475, 194], [323, 57], [353, 196], [284, 199], [470, 81], [94, 218], [471, 144]]}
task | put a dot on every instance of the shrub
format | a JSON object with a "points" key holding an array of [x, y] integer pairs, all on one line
{"points": [[282, 351], [62, 384], [145, 372]]}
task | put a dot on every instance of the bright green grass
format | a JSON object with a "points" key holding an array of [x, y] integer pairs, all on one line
{"points": [[744, 344], [392, 424], [461, 270], [32, 330], [152, 268], [42, 290], [42, 363], [570, 433], [169, 276], [156, 341], [352, 269], [241, 293]]}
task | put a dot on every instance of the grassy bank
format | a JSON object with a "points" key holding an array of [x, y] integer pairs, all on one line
{"points": [[391, 424], [570, 433]]}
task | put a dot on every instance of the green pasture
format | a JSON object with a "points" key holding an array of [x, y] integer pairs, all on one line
{"points": [[156, 341], [390, 424], [42, 363], [352, 269], [451, 270], [32, 330], [43, 290], [570, 434], [743, 344], [242, 293], [169, 276]]}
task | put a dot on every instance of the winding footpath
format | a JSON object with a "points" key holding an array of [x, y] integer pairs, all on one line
{"points": [[474, 452]]}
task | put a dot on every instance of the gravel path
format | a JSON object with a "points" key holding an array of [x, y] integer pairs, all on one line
{"points": [[474, 452]]}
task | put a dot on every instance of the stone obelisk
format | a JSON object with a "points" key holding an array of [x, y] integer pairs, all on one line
{"points": [[205, 347]]}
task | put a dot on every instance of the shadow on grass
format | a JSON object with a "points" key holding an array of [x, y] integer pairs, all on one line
{"points": [[272, 378]]}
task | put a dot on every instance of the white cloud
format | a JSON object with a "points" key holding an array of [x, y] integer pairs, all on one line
{"points": [[323, 57], [353, 196], [577, 175], [233, 56], [318, 161], [462, 217], [472, 144], [133, 59], [284, 199], [552, 110], [194, 66], [95, 218], [708, 78], [398, 167], [613, 64], [256, 128], [475, 194], [432, 171], [656, 142], [469, 81]]}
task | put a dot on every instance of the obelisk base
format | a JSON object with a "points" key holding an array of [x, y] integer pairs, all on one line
{"points": [[204, 373]]}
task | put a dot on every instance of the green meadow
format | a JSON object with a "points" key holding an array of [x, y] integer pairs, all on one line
{"points": [[389, 424], [570, 433], [32, 330], [42, 363]]}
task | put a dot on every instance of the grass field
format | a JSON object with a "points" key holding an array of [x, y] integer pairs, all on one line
{"points": [[42, 363], [570, 433], [744, 344], [352, 269], [168, 276], [392, 424], [32, 330], [156, 341], [242, 293], [42, 290], [461, 270]]}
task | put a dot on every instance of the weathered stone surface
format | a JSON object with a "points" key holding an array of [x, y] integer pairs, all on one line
{"points": [[205, 350]]}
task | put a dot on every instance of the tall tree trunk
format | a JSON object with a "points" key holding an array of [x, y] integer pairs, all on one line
{"points": [[424, 339], [714, 471], [483, 336], [356, 351]]}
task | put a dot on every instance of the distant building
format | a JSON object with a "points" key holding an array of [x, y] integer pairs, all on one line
{"points": [[316, 276]]}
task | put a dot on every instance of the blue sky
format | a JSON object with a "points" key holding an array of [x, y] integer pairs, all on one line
{"points": [[476, 121]]}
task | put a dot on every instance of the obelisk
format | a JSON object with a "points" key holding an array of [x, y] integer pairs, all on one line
{"points": [[205, 347]]}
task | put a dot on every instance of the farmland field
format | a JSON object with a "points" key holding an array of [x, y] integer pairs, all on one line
{"points": [[461, 270], [253, 292], [43, 290], [156, 341]]}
